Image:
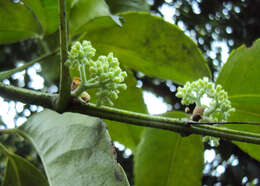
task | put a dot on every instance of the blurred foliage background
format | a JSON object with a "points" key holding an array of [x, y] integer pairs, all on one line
{"points": [[217, 26]]}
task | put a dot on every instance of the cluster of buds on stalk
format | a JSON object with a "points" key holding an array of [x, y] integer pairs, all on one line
{"points": [[218, 107], [103, 74]]}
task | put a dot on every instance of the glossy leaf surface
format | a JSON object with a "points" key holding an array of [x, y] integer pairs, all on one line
{"points": [[16, 22], [149, 45], [240, 77], [85, 10], [46, 12], [165, 158]]}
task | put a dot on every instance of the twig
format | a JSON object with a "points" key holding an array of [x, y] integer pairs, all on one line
{"points": [[6, 74], [27, 96], [172, 124], [224, 123], [64, 88]]}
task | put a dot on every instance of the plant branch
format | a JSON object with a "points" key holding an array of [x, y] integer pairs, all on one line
{"points": [[27, 96], [225, 123], [171, 124], [6, 74], [4, 150], [64, 88]]}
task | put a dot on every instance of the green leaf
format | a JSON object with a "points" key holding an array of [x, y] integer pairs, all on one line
{"points": [[149, 45], [21, 172], [165, 158], [47, 13], [17, 22], [240, 77], [75, 149], [117, 6], [85, 10], [240, 74]]}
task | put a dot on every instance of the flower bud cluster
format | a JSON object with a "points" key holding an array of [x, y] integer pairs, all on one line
{"points": [[218, 109], [107, 72], [80, 53], [104, 73]]}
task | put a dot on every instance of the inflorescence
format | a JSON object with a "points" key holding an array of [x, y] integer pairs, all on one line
{"points": [[219, 107], [103, 74]]}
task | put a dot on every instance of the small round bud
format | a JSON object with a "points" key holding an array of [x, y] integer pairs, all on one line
{"points": [[117, 71], [218, 88], [124, 74], [122, 86], [117, 80], [179, 94], [187, 109]]}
